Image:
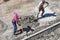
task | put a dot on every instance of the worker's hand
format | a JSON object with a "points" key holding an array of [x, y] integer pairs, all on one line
{"points": [[19, 23], [19, 18]]}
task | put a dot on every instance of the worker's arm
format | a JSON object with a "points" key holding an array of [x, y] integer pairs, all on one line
{"points": [[47, 4]]}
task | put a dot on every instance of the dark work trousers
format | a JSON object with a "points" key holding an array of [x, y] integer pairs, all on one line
{"points": [[15, 27], [41, 9]]}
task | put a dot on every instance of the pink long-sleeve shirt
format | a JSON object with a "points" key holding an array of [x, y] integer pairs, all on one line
{"points": [[15, 18]]}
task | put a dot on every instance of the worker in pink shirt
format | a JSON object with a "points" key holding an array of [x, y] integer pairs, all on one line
{"points": [[15, 22]]}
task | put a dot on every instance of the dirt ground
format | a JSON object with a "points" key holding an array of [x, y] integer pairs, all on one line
{"points": [[24, 8]]}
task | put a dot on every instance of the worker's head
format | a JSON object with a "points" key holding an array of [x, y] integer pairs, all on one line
{"points": [[15, 13], [43, 1]]}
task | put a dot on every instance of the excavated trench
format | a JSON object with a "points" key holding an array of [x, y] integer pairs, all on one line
{"points": [[3, 27]]}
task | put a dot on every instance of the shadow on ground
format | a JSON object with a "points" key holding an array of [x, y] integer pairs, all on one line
{"points": [[45, 15], [25, 29], [28, 29]]}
